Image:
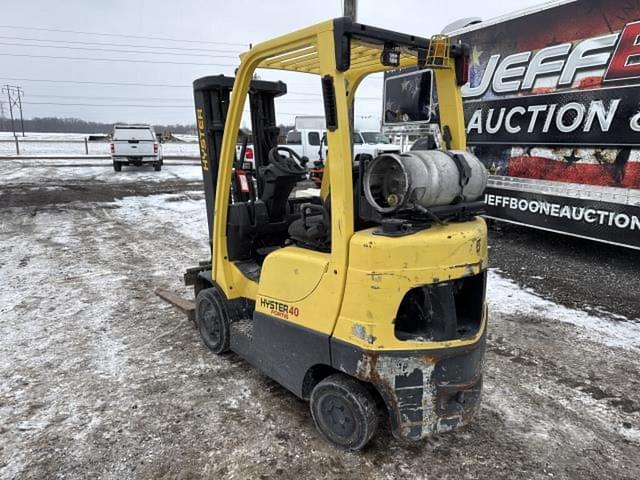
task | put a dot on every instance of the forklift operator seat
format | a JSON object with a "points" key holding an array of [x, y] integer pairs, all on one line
{"points": [[279, 178], [313, 229]]}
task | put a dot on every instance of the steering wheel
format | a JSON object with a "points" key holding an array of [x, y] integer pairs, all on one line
{"points": [[292, 163]]}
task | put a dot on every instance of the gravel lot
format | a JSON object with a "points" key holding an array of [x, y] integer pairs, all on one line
{"points": [[101, 379]]}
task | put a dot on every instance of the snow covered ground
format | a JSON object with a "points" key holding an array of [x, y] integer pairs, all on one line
{"points": [[508, 298], [99, 378], [53, 172], [73, 144], [74, 136]]}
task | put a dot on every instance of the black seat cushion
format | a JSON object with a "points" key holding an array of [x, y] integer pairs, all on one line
{"points": [[312, 231]]}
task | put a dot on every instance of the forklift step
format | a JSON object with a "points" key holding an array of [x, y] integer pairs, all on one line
{"points": [[249, 268], [186, 306], [243, 328], [192, 273], [241, 338]]}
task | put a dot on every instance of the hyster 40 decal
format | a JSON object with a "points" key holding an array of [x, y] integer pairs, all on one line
{"points": [[279, 309]]}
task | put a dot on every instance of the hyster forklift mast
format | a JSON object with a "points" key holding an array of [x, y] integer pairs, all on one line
{"points": [[211, 98], [368, 297]]}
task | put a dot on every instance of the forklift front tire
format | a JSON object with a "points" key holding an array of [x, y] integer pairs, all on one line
{"points": [[117, 166], [344, 411], [213, 320]]}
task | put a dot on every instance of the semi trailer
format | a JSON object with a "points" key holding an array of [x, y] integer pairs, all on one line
{"points": [[551, 108]]}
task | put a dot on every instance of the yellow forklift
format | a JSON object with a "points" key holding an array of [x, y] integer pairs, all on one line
{"points": [[367, 299]]}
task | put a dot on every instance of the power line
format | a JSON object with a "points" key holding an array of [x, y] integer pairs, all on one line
{"points": [[136, 84], [134, 106], [121, 35], [124, 84], [109, 98], [165, 99], [119, 105], [117, 50], [133, 84], [108, 44], [125, 60], [89, 82]]}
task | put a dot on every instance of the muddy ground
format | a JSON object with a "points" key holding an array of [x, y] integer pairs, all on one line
{"points": [[101, 379]]}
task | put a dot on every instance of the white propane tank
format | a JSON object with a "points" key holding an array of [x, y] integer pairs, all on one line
{"points": [[426, 178]]}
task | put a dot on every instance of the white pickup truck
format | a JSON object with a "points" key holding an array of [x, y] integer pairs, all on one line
{"points": [[135, 145], [372, 142], [306, 142]]}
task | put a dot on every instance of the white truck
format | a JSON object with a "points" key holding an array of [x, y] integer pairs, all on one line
{"points": [[306, 142], [372, 142], [135, 145]]}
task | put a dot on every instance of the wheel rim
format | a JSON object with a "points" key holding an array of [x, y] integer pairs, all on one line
{"points": [[210, 323], [337, 416]]}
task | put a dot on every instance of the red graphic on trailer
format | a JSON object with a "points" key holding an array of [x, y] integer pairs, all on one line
{"points": [[625, 63], [599, 167], [556, 100]]}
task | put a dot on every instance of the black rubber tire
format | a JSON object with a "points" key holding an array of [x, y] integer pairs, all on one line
{"points": [[117, 166], [344, 411], [157, 166], [213, 320]]}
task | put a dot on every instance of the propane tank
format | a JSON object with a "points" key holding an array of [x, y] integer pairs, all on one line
{"points": [[423, 178]]}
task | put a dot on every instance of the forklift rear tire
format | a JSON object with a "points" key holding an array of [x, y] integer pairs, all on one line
{"points": [[344, 411], [213, 320], [117, 166], [157, 166]]}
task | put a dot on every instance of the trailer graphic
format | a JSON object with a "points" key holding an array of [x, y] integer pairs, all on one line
{"points": [[552, 108]]}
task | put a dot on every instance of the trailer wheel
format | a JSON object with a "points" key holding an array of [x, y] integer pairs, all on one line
{"points": [[117, 166], [157, 166], [212, 320], [344, 411]]}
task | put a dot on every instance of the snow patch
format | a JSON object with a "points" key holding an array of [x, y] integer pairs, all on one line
{"points": [[505, 297], [185, 211]]}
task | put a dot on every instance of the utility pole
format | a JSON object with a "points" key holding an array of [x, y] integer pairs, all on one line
{"points": [[20, 94], [7, 89], [14, 97], [350, 9]]}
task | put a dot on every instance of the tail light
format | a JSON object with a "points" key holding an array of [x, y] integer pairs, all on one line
{"points": [[462, 66], [248, 154], [155, 148], [113, 148], [243, 182], [465, 70]]}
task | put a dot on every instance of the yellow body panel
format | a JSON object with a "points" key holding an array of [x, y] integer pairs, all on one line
{"points": [[383, 269], [300, 286], [296, 275]]}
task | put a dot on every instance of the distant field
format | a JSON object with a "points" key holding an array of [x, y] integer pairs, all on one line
{"points": [[73, 144]]}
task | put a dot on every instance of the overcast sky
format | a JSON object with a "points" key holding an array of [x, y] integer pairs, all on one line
{"points": [[234, 23]]}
